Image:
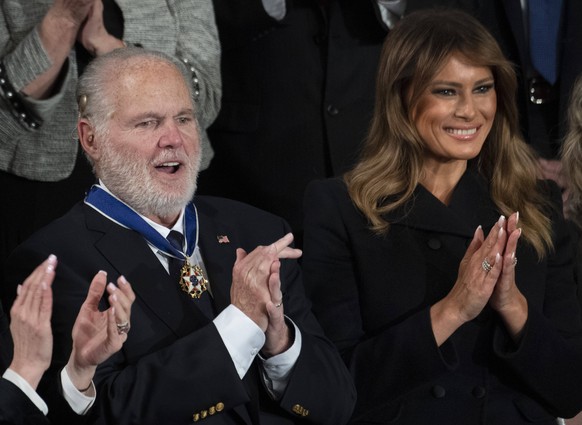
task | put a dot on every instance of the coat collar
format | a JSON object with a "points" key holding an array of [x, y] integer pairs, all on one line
{"points": [[470, 207]]}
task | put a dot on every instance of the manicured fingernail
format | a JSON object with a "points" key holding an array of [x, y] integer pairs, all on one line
{"points": [[501, 221], [112, 286], [103, 272], [497, 258], [500, 232], [123, 280], [516, 217], [477, 230], [519, 231], [18, 289], [51, 263], [114, 297]]}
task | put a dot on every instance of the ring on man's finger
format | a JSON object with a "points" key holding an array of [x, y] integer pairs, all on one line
{"points": [[122, 328], [486, 265]]}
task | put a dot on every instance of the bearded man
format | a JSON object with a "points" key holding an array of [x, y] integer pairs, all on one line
{"points": [[221, 330]]}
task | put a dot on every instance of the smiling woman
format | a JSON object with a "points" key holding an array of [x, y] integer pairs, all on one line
{"points": [[411, 260]]}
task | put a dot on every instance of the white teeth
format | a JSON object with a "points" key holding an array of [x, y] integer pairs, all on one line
{"points": [[170, 164], [460, 132]]}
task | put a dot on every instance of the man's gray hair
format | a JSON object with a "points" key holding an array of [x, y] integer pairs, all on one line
{"points": [[94, 98]]}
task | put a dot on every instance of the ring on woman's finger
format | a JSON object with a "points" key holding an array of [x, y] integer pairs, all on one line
{"points": [[486, 265], [122, 328], [279, 304], [515, 261]]}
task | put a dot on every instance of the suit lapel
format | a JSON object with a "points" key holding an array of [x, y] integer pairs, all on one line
{"points": [[218, 242], [130, 255], [444, 231], [470, 207]]}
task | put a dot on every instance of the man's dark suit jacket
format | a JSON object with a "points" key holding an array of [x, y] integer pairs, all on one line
{"points": [[372, 295], [174, 364], [544, 126]]}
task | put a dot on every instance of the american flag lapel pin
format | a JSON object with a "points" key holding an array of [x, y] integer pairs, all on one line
{"points": [[222, 239]]}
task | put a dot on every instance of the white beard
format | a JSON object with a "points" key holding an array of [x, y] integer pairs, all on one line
{"points": [[131, 180]]}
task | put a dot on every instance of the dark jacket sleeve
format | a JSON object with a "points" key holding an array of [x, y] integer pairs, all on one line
{"points": [[548, 358], [5, 341], [16, 408], [320, 382]]}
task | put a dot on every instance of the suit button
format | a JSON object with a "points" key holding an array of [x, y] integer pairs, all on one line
{"points": [[212, 410], [203, 414], [434, 243], [195, 417], [332, 110], [479, 391], [438, 391], [219, 407]]}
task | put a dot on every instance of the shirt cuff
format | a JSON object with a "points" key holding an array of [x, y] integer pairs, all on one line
{"points": [[391, 11], [241, 336], [277, 369], [79, 402], [25, 387], [276, 9]]}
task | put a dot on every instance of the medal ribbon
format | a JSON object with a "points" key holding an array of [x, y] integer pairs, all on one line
{"points": [[116, 210]]}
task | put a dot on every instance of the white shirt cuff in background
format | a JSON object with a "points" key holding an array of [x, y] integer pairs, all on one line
{"points": [[79, 402], [275, 8]]}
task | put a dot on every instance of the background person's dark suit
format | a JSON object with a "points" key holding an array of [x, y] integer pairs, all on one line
{"points": [[174, 363], [5, 341], [372, 294], [16, 408], [297, 97], [544, 125]]}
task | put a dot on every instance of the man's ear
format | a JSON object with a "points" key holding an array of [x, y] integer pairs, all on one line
{"points": [[87, 139]]}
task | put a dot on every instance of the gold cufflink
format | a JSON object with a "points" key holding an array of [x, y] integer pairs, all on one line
{"points": [[300, 410]]}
